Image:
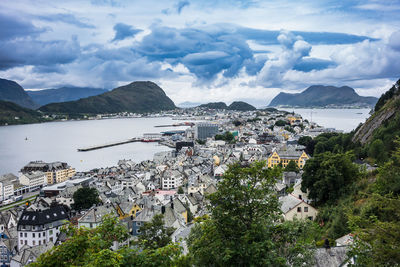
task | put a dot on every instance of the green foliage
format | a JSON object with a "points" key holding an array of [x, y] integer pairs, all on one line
{"points": [[244, 228], [329, 176], [281, 123], [89, 247], [154, 235], [377, 151], [201, 142], [237, 123], [289, 129], [180, 190], [387, 96], [9, 110], [227, 136], [292, 167], [85, 197], [377, 231]]}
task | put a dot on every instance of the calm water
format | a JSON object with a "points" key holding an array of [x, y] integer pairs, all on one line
{"points": [[59, 141], [341, 119]]}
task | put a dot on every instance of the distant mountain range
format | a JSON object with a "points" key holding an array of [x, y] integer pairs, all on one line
{"points": [[237, 105], [324, 96], [13, 92], [63, 94], [137, 97], [188, 104]]}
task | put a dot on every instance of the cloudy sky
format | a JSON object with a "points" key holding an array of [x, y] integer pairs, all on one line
{"points": [[202, 50]]}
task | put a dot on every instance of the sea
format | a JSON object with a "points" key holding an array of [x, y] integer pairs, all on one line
{"points": [[59, 141]]}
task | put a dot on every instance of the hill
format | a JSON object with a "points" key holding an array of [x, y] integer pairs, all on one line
{"points": [[13, 92], [214, 105], [324, 96], [63, 94], [384, 123], [241, 106], [138, 97], [11, 113]]}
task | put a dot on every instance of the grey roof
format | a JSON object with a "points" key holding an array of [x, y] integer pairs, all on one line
{"points": [[334, 257], [41, 217], [95, 214], [289, 202]]}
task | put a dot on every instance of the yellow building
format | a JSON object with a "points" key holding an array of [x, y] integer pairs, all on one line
{"points": [[294, 119], [285, 156], [127, 209], [56, 172]]}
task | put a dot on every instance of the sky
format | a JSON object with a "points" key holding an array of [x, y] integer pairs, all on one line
{"points": [[201, 50]]}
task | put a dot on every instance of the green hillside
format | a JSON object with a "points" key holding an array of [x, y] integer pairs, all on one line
{"points": [[137, 97], [11, 113], [13, 92], [241, 106]]}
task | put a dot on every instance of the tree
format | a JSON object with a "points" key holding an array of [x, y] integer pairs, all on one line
{"points": [[244, 228], [227, 136], [280, 123], [91, 247], [292, 167], [154, 235], [180, 190], [377, 231], [87, 246], [329, 176], [377, 151], [85, 197]]}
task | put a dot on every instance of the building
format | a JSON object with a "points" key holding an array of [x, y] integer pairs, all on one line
{"points": [[41, 226], [284, 156], [293, 207], [94, 216], [171, 179], [204, 130], [7, 186], [56, 172], [34, 180]]}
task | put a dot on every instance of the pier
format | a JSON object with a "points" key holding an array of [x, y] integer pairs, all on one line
{"points": [[136, 139]]}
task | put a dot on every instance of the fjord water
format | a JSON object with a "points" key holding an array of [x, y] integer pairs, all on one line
{"points": [[59, 141], [340, 119]]}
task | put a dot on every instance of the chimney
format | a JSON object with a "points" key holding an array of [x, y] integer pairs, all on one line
{"points": [[162, 209]]}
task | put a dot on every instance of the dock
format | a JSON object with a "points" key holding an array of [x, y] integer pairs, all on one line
{"points": [[132, 140]]}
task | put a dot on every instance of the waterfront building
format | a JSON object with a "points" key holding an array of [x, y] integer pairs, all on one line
{"points": [[56, 172], [34, 180]]}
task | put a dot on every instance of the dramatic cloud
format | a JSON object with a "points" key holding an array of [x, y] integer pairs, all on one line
{"points": [[123, 31], [12, 27], [202, 50], [66, 18]]}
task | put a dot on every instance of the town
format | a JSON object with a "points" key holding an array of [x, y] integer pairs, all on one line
{"points": [[38, 201]]}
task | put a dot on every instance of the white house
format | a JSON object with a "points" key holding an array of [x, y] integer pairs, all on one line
{"points": [[7, 186], [293, 207], [41, 226]]}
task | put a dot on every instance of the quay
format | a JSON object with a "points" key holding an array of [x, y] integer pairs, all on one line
{"points": [[136, 139]]}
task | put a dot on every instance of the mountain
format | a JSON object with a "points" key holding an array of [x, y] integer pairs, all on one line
{"points": [[138, 97], [384, 123], [11, 113], [241, 106], [63, 94], [13, 92], [214, 105], [323, 96]]}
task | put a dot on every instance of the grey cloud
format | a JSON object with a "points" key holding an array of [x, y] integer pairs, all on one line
{"points": [[66, 18]]}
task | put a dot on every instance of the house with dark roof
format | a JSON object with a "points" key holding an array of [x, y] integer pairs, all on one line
{"points": [[37, 227]]}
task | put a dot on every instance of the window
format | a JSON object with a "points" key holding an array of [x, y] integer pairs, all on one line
{"points": [[39, 235], [33, 234], [44, 233], [40, 242], [310, 218], [22, 242], [50, 232], [20, 234], [298, 209], [26, 242], [25, 234], [300, 197], [33, 242], [305, 209]]}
